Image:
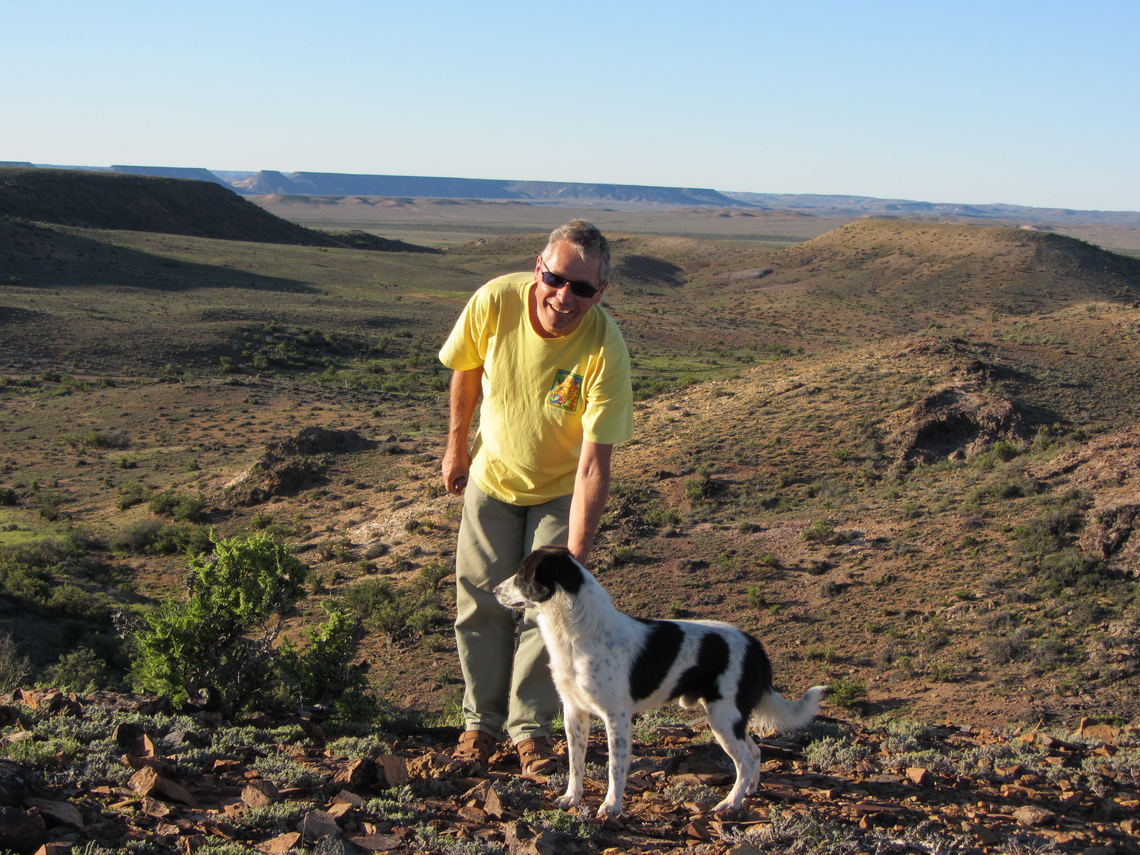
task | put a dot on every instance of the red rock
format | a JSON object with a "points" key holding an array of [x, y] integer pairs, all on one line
{"points": [[347, 797], [919, 776], [360, 773], [63, 812], [1102, 732], [473, 814], [394, 770], [281, 844], [1034, 817], [147, 782], [318, 824], [338, 810], [259, 794], [698, 829]]}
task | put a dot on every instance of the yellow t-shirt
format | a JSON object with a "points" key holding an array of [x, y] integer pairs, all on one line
{"points": [[541, 396]]}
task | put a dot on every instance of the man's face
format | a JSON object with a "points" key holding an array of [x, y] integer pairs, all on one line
{"points": [[556, 309]]}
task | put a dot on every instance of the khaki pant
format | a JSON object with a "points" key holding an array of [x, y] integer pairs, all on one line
{"points": [[508, 683]]}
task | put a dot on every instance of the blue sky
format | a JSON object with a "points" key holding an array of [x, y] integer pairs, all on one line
{"points": [[1032, 103]]}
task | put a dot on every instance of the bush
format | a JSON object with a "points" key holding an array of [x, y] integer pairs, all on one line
{"points": [[217, 646], [323, 672], [820, 531], [181, 508], [14, 666], [1072, 568], [154, 537], [381, 606], [393, 612], [847, 692], [78, 670], [1058, 526], [50, 505]]}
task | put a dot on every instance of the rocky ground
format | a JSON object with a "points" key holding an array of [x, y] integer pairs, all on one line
{"points": [[140, 777]]}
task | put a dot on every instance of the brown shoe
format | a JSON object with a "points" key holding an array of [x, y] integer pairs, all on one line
{"points": [[475, 749], [537, 756]]}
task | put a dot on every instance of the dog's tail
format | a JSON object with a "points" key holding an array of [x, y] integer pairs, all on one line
{"points": [[774, 712]]}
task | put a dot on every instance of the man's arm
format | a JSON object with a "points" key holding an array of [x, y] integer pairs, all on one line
{"points": [[591, 489], [466, 387]]}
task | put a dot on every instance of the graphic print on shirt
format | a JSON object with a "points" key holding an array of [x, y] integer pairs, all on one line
{"points": [[566, 391]]}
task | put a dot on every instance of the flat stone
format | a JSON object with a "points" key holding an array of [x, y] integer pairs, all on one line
{"points": [[1034, 817], [258, 794]]}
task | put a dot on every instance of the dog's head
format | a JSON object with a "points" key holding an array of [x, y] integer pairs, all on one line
{"points": [[540, 576]]}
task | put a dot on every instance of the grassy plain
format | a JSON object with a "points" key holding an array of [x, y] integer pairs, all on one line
{"points": [[448, 222]]}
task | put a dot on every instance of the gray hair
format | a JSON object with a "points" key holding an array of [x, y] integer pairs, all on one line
{"points": [[587, 241]]}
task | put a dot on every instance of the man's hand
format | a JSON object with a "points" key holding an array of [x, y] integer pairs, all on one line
{"points": [[456, 467]]}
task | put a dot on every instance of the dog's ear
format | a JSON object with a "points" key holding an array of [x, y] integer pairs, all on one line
{"points": [[548, 568]]}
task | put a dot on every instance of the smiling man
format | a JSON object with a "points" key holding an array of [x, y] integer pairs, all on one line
{"points": [[552, 371]]}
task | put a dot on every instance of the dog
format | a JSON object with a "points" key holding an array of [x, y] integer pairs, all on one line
{"points": [[614, 666]]}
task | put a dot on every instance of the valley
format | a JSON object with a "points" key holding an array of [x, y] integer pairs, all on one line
{"points": [[903, 453]]}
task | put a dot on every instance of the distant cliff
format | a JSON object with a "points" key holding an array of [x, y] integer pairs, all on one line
{"points": [[271, 183], [337, 184], [863, 206]]}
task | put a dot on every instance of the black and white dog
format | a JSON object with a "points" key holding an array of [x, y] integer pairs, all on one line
{"points": [[613, 666]]}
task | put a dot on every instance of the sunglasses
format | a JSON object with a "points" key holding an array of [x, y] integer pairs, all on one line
{"points": [[579, 289]]}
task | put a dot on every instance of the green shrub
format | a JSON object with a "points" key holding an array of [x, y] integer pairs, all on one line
{"points": [[50, 505], [381, 606], [323, 671], [1072, 568], [217, 646], [1056, 527], [153, 537], [847, 692], [397, 613], [182, 508], [432, 576], [659, 517], [77, 670], [820, 531], [131, 494]]}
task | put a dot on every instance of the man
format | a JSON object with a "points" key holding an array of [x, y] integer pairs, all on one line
{"points": [[552, 370]]}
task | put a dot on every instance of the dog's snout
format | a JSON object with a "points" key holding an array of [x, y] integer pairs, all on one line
{"points": [[507, 594]]}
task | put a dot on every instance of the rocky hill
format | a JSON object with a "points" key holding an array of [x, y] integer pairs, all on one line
{"points": [[946, 269], [107, 200]]}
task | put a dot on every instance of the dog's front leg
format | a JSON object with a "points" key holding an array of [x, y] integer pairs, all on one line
{"points": [[577, 723], [619, 733]]}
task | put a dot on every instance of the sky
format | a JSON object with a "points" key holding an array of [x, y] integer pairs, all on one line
{"points": [[971, 101]]}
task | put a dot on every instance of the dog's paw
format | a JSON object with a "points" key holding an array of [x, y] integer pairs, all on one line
{"points": [[567, 801], [609, 811], [728, 808]]}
